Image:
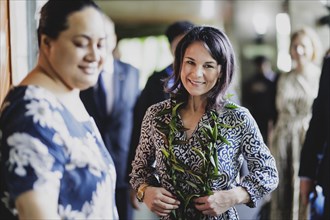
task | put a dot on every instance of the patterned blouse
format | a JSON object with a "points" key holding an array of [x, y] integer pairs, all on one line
{"points": [[44, 148], [246, 143]]}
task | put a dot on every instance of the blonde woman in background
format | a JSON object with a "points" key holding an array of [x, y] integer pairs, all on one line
{"points": [[296, 91]]}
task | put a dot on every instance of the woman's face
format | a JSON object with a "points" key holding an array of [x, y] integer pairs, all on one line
{"points": [[302, 48], [199, 72], [77, 55]]}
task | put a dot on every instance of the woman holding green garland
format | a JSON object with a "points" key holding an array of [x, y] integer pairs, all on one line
{"points": [[192, 145]]}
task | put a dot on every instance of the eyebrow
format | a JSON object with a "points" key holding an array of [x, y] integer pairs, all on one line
{"points": [[87, 37], [207, 62]]}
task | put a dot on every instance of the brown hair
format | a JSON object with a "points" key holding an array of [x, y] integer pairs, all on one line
{"points": [[220, 49]]}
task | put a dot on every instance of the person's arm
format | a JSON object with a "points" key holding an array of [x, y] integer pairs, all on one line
{"points": [[142, 165], [262, 177], [37, 205], [32, 162], [157, 199]]}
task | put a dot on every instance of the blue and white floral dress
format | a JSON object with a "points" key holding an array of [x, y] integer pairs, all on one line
{"points": [[44, 148], [245, 143]]}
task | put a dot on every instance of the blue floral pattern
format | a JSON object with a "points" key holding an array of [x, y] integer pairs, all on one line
{"points": [[246, 143], [44, 148]]}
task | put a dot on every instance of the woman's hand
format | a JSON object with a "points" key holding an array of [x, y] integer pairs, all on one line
{"points": [[160, 201], [221, 201]]}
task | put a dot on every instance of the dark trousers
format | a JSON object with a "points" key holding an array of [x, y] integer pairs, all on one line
{"points": [[326, 209], [124, 206]]}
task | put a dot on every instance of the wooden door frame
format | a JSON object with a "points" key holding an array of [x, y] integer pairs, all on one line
{"points": [[5, 52]]}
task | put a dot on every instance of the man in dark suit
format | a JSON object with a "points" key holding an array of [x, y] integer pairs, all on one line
{"points": [[259, 96], [111, 102], [153, 91], [312, 169]]}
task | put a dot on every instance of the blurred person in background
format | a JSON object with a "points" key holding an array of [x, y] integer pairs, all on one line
{"points": [[54, 164], [153, 91], [315, 154], [259, 96], [295, 93], [110, 102]]}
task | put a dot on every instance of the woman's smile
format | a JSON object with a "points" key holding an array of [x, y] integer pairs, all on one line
{"points": [[89, 69], [196, 82]]}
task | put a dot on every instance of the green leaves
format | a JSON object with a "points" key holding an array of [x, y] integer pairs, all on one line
{"points": [[230, 106], [201, 180], [165, 153]]}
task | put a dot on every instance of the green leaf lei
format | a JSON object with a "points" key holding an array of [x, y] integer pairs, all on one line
{"points": [[208, 154]]}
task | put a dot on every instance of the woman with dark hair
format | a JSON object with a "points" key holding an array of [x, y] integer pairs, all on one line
{"points": [[54, 164], [192, 145]]}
